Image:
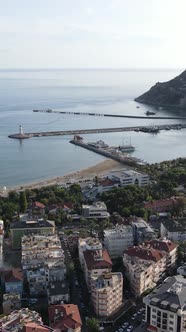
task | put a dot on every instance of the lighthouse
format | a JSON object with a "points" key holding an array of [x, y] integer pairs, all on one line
{"points": [[21, 133]]}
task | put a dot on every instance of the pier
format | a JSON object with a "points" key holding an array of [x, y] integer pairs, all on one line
{"points": [[114, 115], [146, 129], [108, 152]]}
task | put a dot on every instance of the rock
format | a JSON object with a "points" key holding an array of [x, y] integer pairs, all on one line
{"points": [[168, 94]]}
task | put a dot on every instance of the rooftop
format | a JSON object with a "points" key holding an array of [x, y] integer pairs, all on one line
{"points": [[64, 316], [175, 225], [162, 244], [18, 318], [126, 173], [119, 229], [170, 295], [31, 223], [13, 275], [145, 253], [96, 262]]}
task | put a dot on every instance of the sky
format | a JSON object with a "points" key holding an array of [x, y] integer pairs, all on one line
{"points": [[92, 34]]}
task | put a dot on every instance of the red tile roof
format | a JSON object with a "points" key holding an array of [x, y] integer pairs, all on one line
{"points": [[145, 253], [164, 245], [161, 204], [64, 317], [30, 327], [92, 263], [39, 205], [107, 183]]}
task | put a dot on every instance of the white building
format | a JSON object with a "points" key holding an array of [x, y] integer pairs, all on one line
{"points": [[174, 230], [97, 210], [107, 293], [128, 177], [118, 239], [165, 306], [142, 231]]}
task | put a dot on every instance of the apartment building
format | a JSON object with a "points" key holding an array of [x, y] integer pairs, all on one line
{"points": [[174, 229], [29, 226], [65, 318], [97, 210], [165, 306], [157, 257], [18, 319], [118, 239], [140, 273], [128, 177], [12, 281], [88, 243], [107, 293], [44, 268], [96, 263], [148, 263]]}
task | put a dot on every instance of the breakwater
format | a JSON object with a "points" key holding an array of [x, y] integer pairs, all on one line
{"points": [[146, 129], [114, 115], [109, 152]]}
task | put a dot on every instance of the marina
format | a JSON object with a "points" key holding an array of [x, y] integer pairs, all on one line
{"points": [[112, 152]]}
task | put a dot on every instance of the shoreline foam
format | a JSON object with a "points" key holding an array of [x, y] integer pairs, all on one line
{"points": [[100, 169]]}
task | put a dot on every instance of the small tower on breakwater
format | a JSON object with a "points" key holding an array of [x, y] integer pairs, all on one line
{"points": [[21, 133]]}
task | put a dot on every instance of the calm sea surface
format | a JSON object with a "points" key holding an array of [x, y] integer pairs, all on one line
{"points": [[102, 91]]}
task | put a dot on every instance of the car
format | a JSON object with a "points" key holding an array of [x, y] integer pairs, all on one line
{"points": [[125, 324], [130, 328], [134, 316], [120, 330]]}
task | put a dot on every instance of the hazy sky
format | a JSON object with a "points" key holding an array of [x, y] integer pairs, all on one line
{"points": [[92, 33]]}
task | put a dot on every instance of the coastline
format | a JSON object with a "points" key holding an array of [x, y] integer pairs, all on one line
{"points": [[100, 169]]}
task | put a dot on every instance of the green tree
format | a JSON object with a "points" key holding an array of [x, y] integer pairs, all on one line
{"points": [[93, 325], [23, 201]]}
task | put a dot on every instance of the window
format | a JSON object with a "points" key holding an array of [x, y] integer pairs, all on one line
{"points": [[153, 310], [171, 316], [171, 322], [154, 316], [171, 329]]}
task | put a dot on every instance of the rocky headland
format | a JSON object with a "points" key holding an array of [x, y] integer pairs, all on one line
{"points": [[167, 94]]}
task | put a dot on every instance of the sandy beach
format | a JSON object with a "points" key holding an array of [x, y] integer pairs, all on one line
{"points": [[101, 169]]}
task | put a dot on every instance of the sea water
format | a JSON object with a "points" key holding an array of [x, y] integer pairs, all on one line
{"points": [[99, 91]]}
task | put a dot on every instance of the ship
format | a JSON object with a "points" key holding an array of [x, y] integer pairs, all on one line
{"points": [[126, 147], [150, 113], [48, 110]]}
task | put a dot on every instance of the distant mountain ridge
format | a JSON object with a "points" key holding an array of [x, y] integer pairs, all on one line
{"points": [[171, 93]]}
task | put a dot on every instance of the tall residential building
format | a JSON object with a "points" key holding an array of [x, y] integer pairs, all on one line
{"points": [[93, 258], [148, 263], [118, 239], [166, 307], [88, 243], [128, 177], [107, 293], [43, 264], [140, 273]]}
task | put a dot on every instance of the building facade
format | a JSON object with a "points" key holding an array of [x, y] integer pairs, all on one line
{"points": [[107, 293], [173, 229], [97, 210], [118, 239], [128, 177], [165, 306]]}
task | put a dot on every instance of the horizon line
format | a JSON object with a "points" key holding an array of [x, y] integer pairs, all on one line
{"points": [[91, 68]]}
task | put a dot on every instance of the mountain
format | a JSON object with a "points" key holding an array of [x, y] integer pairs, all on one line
{"points": [[171, 93]]}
